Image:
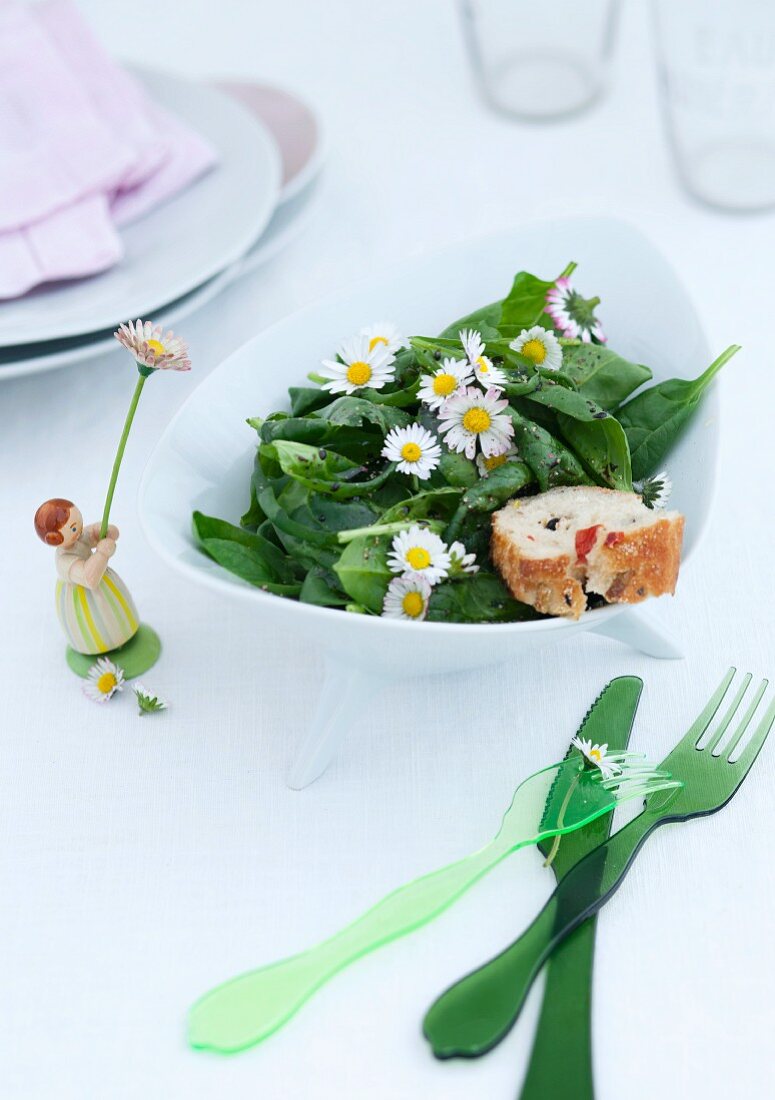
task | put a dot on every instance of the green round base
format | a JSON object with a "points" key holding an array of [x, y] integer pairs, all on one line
{"points": [[135, 657]]}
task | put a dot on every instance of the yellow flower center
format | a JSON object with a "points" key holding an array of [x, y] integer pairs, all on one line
{"points": [[358, 373], [476, 420], [444, 384], [534, 349], [483, 364], [106, 683], [156, 347], [412, 604], [418, 557], [411, 452], [375, 341], [596, 755], [494, 462]]}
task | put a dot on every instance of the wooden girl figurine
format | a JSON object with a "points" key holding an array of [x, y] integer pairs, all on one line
{"points": [[94, 607]]}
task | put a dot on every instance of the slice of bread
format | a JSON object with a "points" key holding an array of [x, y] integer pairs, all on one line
{"points": [[554, 548]]}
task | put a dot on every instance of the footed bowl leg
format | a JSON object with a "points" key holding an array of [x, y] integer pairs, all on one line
{"points": [[347, 698], [135, 657], [640, 630]]}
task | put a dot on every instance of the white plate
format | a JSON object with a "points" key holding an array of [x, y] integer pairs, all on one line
{"points": [[181, 244], [205, 457], [286, 223]]}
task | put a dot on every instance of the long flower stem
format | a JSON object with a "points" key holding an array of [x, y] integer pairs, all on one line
{"points": [[120, 454], [561, 821]]}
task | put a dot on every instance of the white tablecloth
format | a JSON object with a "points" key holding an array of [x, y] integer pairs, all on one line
{"points": [[144, 860]]}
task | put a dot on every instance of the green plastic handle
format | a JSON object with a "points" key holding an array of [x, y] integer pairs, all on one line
{"points": [[247, 1009], [474, 1014]]}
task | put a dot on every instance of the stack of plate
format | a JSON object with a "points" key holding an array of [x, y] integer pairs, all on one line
{"points": [[186, 251]]}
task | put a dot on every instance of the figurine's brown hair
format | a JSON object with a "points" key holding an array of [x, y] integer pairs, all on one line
{"points": [[50, 517]]}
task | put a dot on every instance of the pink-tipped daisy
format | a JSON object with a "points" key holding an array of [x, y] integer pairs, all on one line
{"points": [[103, 680], [152, 348], [471, 417], [486, 374], [573, 315]]}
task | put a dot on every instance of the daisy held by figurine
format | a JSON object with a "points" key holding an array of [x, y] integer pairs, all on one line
{"points": [[94, 607]]}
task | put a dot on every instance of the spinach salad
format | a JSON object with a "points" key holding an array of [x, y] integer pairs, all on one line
{"points": [[372, 493]]}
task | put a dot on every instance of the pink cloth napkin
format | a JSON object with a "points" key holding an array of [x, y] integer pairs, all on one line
{"points": [[82, 149]]}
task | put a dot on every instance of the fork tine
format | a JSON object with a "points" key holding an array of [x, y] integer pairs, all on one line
{"points": [[752, 749], [705, 717], [711, 745]]}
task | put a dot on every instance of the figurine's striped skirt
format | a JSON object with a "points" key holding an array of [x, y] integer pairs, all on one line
{"points": [[96, 620]]}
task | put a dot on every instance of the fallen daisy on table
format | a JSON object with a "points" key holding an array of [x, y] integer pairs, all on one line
{"points": [[407, 597], [103, 680], [419, 551], [486, 374], [539, 346], [452, 375], [386, 334], [414, 448], [358, 366], [148, 701], [472, 417], [152, 348]]}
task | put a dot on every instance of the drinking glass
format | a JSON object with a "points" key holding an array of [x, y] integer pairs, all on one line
{"points": [[541, 59], [717, 65]]}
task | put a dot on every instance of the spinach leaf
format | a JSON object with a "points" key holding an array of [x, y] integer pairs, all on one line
{"points": [[305, 399], [595, 435], [354, 443], [354, 411], [320, 587], [484, 320], [654, 419], [477, 598], [323, 471], [601, 375], [430, 504], [523, 306], [363, 571], [550, 460], [457, 470], [245, 554], [500, 485]]}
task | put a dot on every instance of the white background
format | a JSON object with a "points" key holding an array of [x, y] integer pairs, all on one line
{"points": [[145, 860]]}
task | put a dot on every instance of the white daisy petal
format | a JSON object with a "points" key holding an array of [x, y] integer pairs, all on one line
{"points": [[485, 466], [471, 416], [655, 490], [407, 598], [152, 348], [148, 701], [385, 334], [103, 680], [460, 561], [358, 367], [451, 376], [485, 372], [419, 551], [596, 756], [414, 448], [540, 346]]}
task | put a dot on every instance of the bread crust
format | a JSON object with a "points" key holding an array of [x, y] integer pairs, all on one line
{"points": [[640, 564]]}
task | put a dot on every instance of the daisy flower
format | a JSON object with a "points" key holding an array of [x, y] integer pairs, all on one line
{"points": [[151, 348], [384, 334], [415, 449], [471, 416], [104, 679], [573, 315], [148, 701], [595, 755], [460, 562], [486, 374], [540, 346], [420, 551], [655, 491], [407, 598], [358, 366], [485, 466], [448, 379]]}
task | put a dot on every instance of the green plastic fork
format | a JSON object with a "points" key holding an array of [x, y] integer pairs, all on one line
{"points": [[473, 1015]]}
